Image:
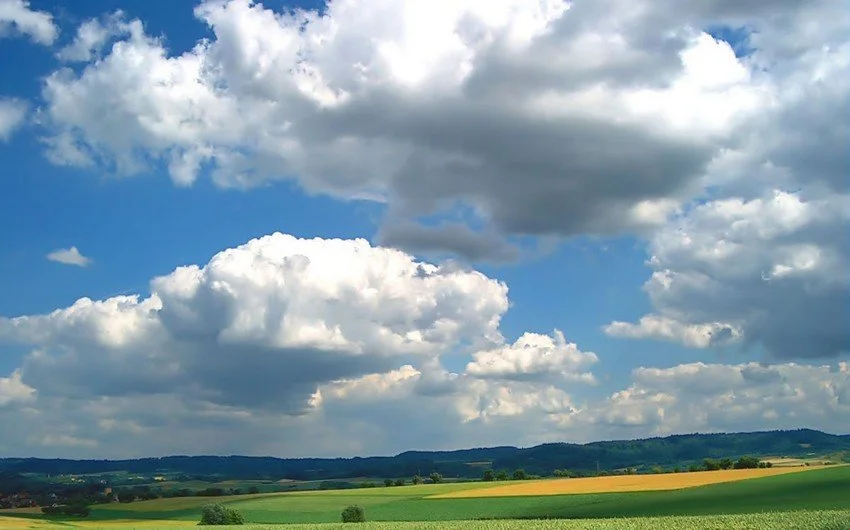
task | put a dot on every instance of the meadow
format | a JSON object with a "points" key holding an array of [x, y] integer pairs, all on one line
{"points": [[816, 498]]}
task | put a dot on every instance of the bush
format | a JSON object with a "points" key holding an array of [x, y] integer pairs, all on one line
{"points": [[353, 514], [436, 478], [218, 514], [399, 482], [488, 476]]}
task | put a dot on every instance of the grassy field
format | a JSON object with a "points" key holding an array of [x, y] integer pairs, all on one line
{"points": [[828, 520], [821, 489], [620, 483]]}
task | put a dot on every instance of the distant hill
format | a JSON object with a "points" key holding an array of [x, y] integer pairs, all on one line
{"points": [[678, 450]]}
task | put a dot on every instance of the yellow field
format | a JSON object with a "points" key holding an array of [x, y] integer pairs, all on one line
{"points": [[618, 483]]}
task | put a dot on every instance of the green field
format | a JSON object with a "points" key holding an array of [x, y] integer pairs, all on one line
{"points": [[810, 491], [826, 520]]}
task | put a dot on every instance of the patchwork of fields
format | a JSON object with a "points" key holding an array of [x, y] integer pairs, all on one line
{"points": [[815, 499]]}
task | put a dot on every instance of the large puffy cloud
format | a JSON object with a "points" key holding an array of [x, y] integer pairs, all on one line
{"points": [[17, 17], [287, 338], [544, 117], [262, 325], [771, 271]]}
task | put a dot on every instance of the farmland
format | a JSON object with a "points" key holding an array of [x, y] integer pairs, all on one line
{"points": [[826, 520], [767, 502], [620, 483]]}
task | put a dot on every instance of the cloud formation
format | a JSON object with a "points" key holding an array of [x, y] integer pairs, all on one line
{"points": [[16, 17], [463, 102], [291, 339], [70, 256]]}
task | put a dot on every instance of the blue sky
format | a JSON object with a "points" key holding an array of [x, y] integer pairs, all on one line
{"points": [[651, 201]]}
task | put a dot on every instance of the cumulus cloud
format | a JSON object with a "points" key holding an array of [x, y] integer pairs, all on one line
{"points": [[702, 397], [426, 107], [262, 324], [12, 115], [324, 347], [17, 17], [533, 356], [93, 34], [70, 256], [772, 271]]}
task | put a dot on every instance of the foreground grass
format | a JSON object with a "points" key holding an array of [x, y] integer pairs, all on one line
{"points": [[825, 520]]}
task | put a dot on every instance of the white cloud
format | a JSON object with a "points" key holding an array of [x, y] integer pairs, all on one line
{"points": [[69, 256], [771, 271], [462, 101], [732, 398], [263, 324], [13, 390], [533, 356], [16, 16], [692, 335], [93, 35], [12, 115]]}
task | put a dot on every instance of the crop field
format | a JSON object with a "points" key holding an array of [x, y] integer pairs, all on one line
{"points": [[825, 520], [769, 501], [620, 483]]}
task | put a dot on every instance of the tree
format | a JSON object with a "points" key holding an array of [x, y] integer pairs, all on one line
{"points": [[217, 514], [253, 490], [726, 463], [399, 482], [416, 479], [502, 475], [519, 474], [710, 465], [436, 478], [388, 482], [354, 514], [488, 476], [747, 462]]}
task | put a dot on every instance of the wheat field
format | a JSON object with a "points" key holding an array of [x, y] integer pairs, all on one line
{"points": [[618, 483]]}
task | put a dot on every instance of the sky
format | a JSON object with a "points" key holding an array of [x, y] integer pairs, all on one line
{"points": [[364, 227]]}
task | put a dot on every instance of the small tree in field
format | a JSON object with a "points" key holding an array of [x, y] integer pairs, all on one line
{"points": [[488, 476], [218, 515], [353, 514], [399, 482], [388, 482], [519, 474], [436, 478], [416, 479]]}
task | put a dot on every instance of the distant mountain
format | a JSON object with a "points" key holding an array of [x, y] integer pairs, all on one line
{"points": [[678, 450]]}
